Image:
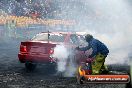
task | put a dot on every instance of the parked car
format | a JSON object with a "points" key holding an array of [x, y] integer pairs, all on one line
{"points": [[41, 47]]}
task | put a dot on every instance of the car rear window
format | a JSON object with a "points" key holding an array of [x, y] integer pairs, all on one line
{"points": [[51, 37]]}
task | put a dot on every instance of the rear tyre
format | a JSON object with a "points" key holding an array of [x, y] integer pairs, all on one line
{"points": [[30, 66]]}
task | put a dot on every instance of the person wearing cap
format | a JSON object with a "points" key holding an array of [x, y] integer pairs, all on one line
{"points": [[99, 52]]}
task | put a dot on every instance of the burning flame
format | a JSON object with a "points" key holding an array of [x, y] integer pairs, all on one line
{"points": [[81, 72]]}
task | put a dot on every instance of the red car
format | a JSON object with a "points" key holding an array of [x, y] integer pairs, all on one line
{"points": [[41, 47]]}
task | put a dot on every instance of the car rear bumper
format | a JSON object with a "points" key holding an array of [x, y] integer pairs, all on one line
{"points": [[35, 58]]}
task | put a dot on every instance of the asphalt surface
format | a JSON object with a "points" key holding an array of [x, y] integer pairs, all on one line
{"points": [[14, 75]]}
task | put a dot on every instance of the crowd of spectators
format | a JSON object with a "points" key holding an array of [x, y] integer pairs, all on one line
{"points": [[44, 8]]}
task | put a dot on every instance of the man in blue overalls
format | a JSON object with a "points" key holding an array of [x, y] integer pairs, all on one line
{"points": [[99, 52]]}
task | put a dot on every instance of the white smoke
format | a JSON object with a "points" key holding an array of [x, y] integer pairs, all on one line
{"points": [[61, 53], [107, 20], [113, 27], [65, 64], [71, 69]]}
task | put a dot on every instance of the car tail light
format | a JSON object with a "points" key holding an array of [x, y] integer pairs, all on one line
{"points": [[51, 51], [23, 48]]}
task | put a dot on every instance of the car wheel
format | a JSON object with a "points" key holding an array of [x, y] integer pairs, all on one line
{"points": [[30, 66]]}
